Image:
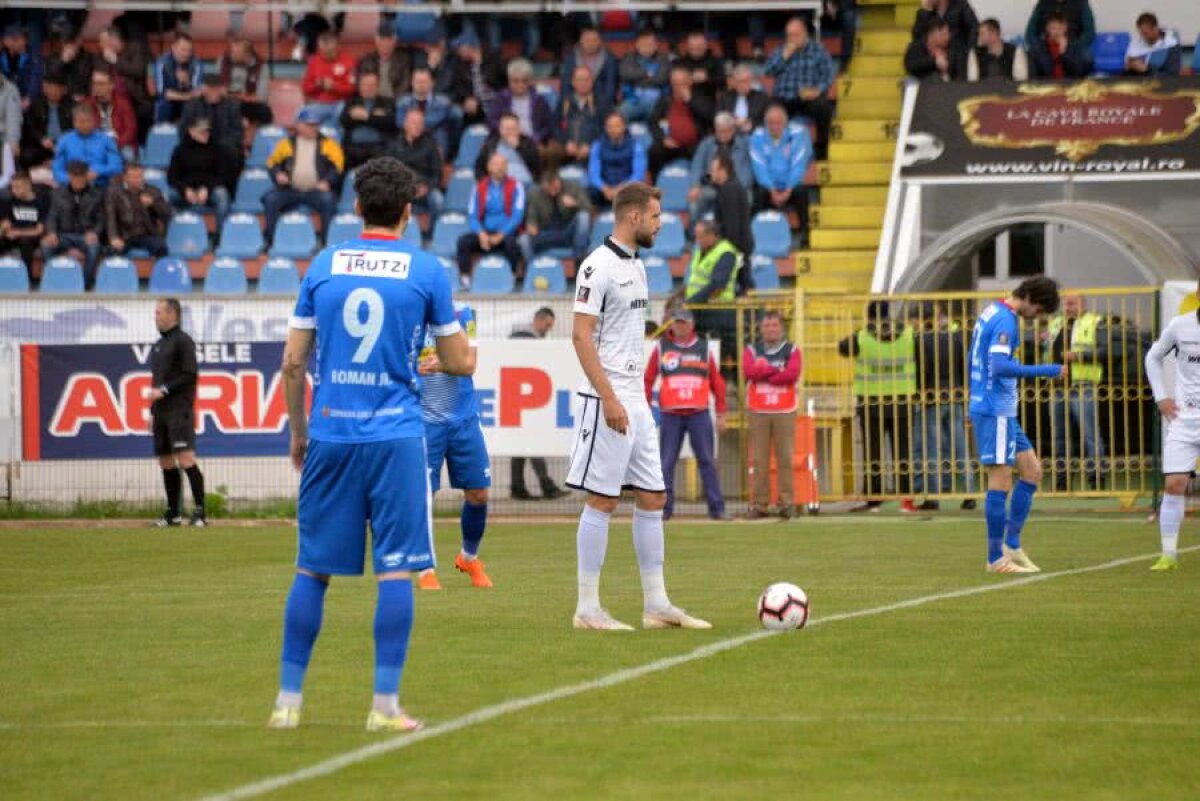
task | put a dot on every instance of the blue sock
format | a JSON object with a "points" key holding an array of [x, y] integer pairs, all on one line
{"points": [[474, 521], [393, 624], [301, 625], [995, 512], [1022, 502]]}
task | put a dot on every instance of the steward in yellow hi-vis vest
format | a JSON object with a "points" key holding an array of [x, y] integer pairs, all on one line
{"points": [[885, 381], [1078, 431]]}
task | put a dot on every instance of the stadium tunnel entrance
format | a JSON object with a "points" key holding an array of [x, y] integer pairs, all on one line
{"points": [[1155, 254]]}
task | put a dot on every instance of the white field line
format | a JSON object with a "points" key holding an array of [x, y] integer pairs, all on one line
{"points": [[488, 713]]}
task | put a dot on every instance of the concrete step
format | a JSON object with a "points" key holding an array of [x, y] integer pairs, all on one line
{"points": [[872, 18], [850, 88], [861, 151], [854, 195], [867, 173], [876, 67], [844, 238], [905, 14], [866, 108], [884, 129], [888, 42], [832, 217], [834, 261]]}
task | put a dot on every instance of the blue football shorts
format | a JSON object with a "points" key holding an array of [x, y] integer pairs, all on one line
{"points": [[998, 440], [462, 448]]}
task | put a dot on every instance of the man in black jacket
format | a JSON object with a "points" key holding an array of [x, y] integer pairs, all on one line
{"points": [[416, 149], [996, 58], [76, 220], [173, 375], [201, 171], [543, 324], [223, 113], [733, 211], [368, 122], [747, 104], [46, 120], [1058, 53], [393, 65], [959, 18], [708, 71]]}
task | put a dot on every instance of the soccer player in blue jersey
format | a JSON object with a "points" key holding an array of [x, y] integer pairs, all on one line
{"points": [[999, 440], [453, 436], [366, 306]]}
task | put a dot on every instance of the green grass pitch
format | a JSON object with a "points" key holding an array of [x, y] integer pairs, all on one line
{"points": [[141, 664]]}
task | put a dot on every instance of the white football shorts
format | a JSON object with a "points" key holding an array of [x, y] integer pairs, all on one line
{"points": [[1181, 446], [605, 462]]}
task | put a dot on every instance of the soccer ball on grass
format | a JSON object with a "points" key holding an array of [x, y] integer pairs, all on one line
{"points": [[783, 607]]}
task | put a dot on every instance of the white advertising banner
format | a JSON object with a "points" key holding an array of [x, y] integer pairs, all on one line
{"points": [[526, 390]]}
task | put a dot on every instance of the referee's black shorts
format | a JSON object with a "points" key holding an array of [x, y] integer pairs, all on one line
{"points": [[173, 432]]}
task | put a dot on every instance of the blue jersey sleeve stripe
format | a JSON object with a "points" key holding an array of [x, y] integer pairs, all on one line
{"points": [[446, 330], [302, 323]]}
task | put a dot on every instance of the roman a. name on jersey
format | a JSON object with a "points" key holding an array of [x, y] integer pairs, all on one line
{"points": [[611, 286]]}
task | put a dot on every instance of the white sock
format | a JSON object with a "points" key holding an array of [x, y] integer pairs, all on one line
{"points": [[386, 703], [651, 549], [467, 557], [591, 543], [290, 700], [1170, 517]]}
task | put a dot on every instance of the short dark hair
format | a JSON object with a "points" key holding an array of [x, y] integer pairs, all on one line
{"points": [[992, 23], [772, 314], [421, 69], [646, 32], [173, 305], [182, 36], [614, 113], [22, 175], [507, 115], [724, 162], [634, 195], [773, 105], [133, 166], [77, 167], [1057, 16], [935, 24], [710, 225], [543, 313], [327, 35], [1147, 18], [1040, 291], [385, 188]]}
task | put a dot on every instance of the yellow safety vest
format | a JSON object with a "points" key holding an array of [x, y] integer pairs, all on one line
{"points": [[885, 368], [1083, 338], [702, 268]]}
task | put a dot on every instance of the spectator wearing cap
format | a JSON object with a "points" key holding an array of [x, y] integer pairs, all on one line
{"points": [[73, 64], [19, 64], [46, 120], [616, 158], [1153, 51], [723, 141], [528, 106], [495, 214], [22, 218], [644, 74], [580, 118], [679, 121], [747, 104], [75, 223], [779, 155], [246, 80], [114, 113], [136, 214], [176, 79], [803, 74], [223, 114], [690, 378], [1056, 54], [202, 172], [524, 161], [368, 121], [416, 148], [996, 58], [591, 53], [87, 144], [307, 170], [559, 215], [328, 79], [441, 118], [393, 65]]}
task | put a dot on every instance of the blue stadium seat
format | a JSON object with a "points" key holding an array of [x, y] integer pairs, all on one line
{"points": [[574, 173], [251, 186], [265, 140], [469, 146], [602, 226], [458, 191], [772, 234], [446, 231], [294, 238], [279, 277], [170, 276], [641, 133], [14, 277], [241, 237], [451, 271], [1108, 50], [348, 197], [158, 179], [674, 182], [226, 277], [658, 275], [62, 276], [764, 272], [671, 239], [117, 276], [344, 228], [545, 275], [187, 236], [493, 276], [160, 144]]}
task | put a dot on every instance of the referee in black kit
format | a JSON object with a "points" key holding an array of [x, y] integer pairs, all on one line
{"points": [[173, 392]]}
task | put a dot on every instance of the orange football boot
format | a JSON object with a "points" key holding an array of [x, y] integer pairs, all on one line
{"points": [[429, 580], [474, 569]]}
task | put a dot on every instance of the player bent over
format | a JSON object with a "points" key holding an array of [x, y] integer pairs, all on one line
{"points": [[1181, 412], [366, 305], [616, 440], [450, 411], [999, 440]]}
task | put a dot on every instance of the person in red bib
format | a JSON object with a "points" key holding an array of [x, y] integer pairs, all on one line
{"points": [[690, 374], [772, 368]]}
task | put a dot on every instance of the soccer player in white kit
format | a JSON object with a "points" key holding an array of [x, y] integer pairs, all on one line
{"points": [[616, 440], [1181, 413]]}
